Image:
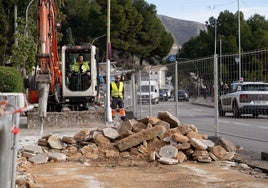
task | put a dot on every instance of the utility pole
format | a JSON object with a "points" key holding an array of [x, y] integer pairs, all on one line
{"points": [[239, 42], [16, 23], [108, 51]]}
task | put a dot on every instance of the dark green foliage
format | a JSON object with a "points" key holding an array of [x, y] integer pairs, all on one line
{"points": [[253, 33], [135, 28], [3, 32], [10, 80]]}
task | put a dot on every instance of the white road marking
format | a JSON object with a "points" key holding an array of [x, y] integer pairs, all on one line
{"points": [[237, 123], [262, 127], [197, 109]]}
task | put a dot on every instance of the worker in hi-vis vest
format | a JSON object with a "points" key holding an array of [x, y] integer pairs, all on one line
{"points": [[117, 97]]}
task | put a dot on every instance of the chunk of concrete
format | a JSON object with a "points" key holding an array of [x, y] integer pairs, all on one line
{"points": [[81, 135], [39, 158], [33, 149], [198, 144], [137, 138], [168, 151], [227, 145], [168, 161], [218, 151], [56, 156], [172, 120], [110, 133], [55, 142]]}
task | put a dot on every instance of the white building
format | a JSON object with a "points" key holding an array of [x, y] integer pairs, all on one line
{"points": [[157, 73]]}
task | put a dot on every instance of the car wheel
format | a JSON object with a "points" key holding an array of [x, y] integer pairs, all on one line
{"points": [[221, 112], [255, 114], [236, 111]]}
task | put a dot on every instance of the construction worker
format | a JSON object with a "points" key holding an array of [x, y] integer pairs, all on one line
{"points": [[79, 74], [81, 66], [117, 97]]}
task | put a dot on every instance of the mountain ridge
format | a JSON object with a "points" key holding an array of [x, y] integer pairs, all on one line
{"points": [[181, 30]]}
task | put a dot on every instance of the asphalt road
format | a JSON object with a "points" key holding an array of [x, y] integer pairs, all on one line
{"points": [[251, 133]]}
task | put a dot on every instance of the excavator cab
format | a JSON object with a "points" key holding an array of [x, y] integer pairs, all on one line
{"points": [[79, 87]]}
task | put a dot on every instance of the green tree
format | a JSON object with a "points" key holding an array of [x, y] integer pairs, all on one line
{"points": [[259, 32], [24, 54], [133, 27], [3, 33], [150, 36]]}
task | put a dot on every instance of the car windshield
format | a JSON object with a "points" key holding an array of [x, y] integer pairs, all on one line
{"points": [[254, 87], [162, 91], [145, 88]]}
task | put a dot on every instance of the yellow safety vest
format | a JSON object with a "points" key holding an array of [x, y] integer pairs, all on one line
{"points": [[117, 92], [76, 67]]}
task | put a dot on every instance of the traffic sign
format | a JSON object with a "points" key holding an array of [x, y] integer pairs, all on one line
{"points": [[172, 57]]}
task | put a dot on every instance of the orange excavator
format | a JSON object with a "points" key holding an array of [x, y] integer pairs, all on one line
{"points": [[51, 86]]}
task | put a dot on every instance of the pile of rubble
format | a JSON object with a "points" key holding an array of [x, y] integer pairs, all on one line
{"points": [[161, 139]]}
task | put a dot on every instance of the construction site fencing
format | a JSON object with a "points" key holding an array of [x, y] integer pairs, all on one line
{"points": [[9, 124], [203, 80]]}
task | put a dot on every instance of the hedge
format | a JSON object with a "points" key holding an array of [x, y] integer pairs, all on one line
{"points": [[10, 80]]}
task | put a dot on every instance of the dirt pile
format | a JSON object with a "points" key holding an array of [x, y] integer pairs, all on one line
{"points": [[151, 139]]}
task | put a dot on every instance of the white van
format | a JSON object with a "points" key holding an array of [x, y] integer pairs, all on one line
{"points": [[144, 92]]}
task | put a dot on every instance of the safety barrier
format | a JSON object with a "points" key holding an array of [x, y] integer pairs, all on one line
{"points": [[11, 105], [199, 77]]}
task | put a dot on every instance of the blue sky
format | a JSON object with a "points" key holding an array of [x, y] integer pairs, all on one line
{"points": [[201, 10]]}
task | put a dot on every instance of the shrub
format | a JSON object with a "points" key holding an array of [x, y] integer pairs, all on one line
{"points": [[10, 80]]}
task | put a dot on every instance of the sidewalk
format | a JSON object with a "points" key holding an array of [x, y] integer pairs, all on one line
{"points": [[204, 102]]}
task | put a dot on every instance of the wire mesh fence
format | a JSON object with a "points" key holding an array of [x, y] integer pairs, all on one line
{"points": [[237, 94]]}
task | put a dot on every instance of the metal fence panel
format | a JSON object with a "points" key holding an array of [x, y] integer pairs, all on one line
{"points": [[197, 77], [8, 137]]}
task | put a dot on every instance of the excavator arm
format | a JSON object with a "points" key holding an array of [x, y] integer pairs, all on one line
{"points": [[48, 77], [62, 98]]}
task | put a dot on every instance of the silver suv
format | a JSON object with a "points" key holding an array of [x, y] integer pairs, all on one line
{"points": [[245, 98]]}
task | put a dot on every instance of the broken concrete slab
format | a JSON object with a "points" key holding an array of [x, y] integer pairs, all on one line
{"points": [[39, 158], [226, 144], [180, 138], [33, 149], [110, 133], [218, 151], [56, 156], [181, 157], [172, 120], [55, 142], [82, 134], [208, 143], [168, 161], [139, 137], [168, 151], [198, 144]]}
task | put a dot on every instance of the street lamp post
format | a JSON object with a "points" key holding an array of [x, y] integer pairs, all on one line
{"points": [[26, 18], [239, 42], [108, 51], [95, 39]]}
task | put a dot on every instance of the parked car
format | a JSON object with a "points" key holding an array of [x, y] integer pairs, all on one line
{"points": [[182, 95], [245, 98], [163, 95]]}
